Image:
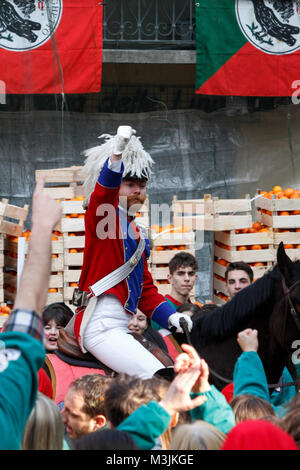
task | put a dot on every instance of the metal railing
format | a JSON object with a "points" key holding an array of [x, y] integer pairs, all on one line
{"points": [[138, 24]]}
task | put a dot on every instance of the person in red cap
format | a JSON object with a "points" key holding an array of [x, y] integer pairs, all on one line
{"points": [[258, 435]]}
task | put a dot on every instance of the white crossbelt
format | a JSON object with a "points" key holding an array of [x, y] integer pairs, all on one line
{"points": [[119, 274]]}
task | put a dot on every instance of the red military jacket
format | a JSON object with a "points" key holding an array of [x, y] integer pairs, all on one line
{"points": [[110, 240]]}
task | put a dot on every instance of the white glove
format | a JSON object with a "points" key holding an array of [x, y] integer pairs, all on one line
{"points": [[173, 320], [122, 138]]}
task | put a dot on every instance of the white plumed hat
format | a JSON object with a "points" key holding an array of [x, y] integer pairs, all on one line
{"points": [[137, 162]]}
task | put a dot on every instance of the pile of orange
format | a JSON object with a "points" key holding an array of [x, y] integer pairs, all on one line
{"points": [[257, 227], [169, 228], [170, 247]]}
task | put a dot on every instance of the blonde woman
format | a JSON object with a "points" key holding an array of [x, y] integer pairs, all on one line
{"points": [[44, 428], [198, 435]]}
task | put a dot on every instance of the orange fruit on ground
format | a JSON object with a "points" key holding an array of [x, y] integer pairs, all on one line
{"points": [[288, 192], [256, 247], [277, 189]]}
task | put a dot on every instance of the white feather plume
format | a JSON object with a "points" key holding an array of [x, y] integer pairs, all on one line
{"points": [[137, 162]]}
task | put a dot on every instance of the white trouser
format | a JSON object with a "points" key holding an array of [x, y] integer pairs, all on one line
{"points": [[107, 338]]}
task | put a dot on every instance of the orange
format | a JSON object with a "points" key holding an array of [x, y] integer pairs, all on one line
{"points": [[52, 289], [297, 212], [258, 264], [159, 248], [295, 195], [54, 237], [242, 248], [80, 198], [54, 255], [288, 192], [277, 189], [222, 262], [288, 246], [73, 284], [255, 247], [256, 225], [73, 250], [283, 213]]}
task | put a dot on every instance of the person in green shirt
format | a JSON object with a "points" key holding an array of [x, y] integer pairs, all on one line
{"points": [[21, 341]]}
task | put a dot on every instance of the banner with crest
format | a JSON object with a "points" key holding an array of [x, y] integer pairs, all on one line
{"points": [[50, 46], [248, 47]]}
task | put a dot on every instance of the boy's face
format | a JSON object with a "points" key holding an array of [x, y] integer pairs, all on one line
{"points": [[182, 280], [236, 281]]}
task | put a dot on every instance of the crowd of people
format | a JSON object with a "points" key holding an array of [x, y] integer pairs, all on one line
{"points": [[159, 396]]}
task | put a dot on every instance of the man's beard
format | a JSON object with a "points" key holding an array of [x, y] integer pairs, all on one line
{"points": [[132, 204]]}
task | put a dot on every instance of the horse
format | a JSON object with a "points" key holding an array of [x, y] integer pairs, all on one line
{"points": [[271, 305]]}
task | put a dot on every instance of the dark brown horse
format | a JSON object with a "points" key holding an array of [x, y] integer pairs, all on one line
{"points": [[270, 305]]}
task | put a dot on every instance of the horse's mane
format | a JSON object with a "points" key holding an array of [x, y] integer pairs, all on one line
{"points": [[256, 299]]}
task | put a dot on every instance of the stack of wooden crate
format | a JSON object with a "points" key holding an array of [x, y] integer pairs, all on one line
{"points": [[283, 217], [65, 185], [253, 246]]}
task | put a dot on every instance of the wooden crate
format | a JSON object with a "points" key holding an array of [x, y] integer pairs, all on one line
{"points": [[227, 249], [278, 213], [188, 213], [227, 214], [13, 260], [73, 229], [63, 183], [228, 246], [212, 213], [164, 247], [18, 214]]}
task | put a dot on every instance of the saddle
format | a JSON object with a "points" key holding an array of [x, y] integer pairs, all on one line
{"points": [[69, 350]]}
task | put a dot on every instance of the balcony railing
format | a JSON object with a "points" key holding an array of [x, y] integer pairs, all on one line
{"points": [[138, 24]]}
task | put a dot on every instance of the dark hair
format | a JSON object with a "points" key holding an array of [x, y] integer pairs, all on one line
{"points": [[59, 312], [194, 308], [182, 259], [106, 439], [239, 265]]}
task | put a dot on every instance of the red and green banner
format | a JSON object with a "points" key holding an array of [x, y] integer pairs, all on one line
{"points": [[50, 46], [247, 47]]}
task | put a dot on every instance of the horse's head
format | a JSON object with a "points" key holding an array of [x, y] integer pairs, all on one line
{"points": [[290, 270]]}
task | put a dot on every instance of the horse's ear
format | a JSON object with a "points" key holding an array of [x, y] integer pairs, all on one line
{"points": [[285, 264]]}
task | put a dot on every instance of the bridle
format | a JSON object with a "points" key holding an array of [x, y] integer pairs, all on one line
{"points": [[287, 291]]}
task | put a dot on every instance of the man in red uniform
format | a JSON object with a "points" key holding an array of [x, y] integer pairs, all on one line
{"points": [[116, 253]]}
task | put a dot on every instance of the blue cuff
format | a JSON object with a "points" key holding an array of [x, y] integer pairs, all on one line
{"points": [[161, 314], [109, 178]]}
